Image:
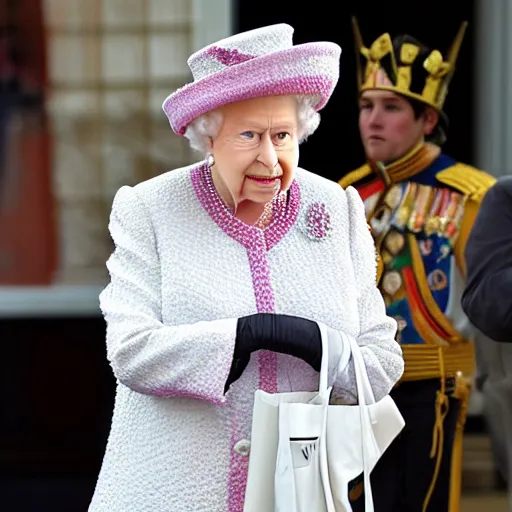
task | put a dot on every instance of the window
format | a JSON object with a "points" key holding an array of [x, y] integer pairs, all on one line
{"points": [[111, 65]]}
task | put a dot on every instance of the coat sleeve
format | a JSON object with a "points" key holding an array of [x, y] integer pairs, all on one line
{"points": [[381, 352], [147, 355], [488, 254]]}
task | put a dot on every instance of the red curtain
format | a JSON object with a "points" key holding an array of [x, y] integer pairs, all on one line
{"points": [[28, 248]]}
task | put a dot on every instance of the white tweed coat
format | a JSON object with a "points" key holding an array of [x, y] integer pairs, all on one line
{"points": [[183, 270]]}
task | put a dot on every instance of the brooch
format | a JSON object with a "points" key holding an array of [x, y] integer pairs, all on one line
{"points": [[318, 222]]}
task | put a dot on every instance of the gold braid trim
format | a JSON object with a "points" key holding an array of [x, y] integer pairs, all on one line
{"points": [[442, 406], [413, 163], [424, 362], [428, 300], [355, 176], [418, 159], [427, 362], [467, 180], [462, 392]]}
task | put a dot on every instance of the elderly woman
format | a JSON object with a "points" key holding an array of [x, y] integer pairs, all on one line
{"points": [[220, 274]]}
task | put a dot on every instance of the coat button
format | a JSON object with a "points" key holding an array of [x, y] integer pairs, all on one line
{"points": [[243, 447]]}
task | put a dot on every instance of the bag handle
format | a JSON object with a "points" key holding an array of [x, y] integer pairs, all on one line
{"points": [[363, 385], [362, 382], [324, 366], [365, 396]]}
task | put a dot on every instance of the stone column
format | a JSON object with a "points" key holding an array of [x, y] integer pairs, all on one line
{"points": [[493, 80]]}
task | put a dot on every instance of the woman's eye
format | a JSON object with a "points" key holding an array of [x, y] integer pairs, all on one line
{"points": [[248, 135], [282, 135]]}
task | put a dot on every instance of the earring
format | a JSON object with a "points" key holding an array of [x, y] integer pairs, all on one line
{"points": [[210, 160]]}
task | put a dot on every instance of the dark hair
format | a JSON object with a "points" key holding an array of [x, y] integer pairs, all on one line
{"points": [[438, 135]]}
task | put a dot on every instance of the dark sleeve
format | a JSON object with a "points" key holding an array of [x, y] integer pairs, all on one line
{"points": [[487, 298]]}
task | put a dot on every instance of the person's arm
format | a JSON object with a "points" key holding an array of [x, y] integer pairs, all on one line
{"points": [[146, 355], [487, 298], [381, 353]]}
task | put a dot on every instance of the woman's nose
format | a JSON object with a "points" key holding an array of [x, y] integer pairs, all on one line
{"points": [[268, 155]]}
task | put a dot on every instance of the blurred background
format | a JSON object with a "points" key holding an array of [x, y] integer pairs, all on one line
{"points": [[81, 88]]}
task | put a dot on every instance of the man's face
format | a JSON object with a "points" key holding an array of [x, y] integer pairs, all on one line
{"points": [[388, 125]]}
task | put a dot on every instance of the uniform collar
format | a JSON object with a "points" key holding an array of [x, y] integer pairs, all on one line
{"points": [[418, 159]]}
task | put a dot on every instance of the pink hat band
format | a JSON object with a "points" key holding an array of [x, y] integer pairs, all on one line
{"points": [[261, 62]]}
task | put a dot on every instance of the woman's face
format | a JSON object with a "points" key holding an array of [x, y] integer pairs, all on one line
{"points": [[256, 149]]}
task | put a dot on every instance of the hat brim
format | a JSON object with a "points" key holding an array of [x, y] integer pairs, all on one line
{"points": [[306, 69]]}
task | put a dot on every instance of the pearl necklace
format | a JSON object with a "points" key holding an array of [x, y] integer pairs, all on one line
{"points": [[266, 216]]}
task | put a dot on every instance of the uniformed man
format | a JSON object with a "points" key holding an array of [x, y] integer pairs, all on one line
{"points": [[420, 205]]}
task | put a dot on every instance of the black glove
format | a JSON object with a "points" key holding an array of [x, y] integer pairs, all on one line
{"points": [[285, 334]]}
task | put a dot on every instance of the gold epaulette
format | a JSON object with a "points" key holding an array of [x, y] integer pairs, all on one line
{"points": [[474, 184], [354, 176], [466, 179]]}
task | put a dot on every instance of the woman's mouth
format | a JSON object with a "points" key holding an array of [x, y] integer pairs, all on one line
{"points": [[264, 180]]}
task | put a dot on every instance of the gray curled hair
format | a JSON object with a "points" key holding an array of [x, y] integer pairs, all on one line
{"points": [[207, 126]]}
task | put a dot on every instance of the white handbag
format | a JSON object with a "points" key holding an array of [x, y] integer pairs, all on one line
{"points": [[304, 452]]}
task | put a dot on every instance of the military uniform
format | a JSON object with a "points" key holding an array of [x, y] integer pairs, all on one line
{"points": [[420, 210]]}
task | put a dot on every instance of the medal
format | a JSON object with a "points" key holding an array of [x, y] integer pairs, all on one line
{"points": [[454, 221], [404, 210], [434, 221], [401, 323], [370, 203], [391, 282], [394, 242], [448, 210], [421, 205], [393, 197], [437, 280], [381, 220], [444, 251], [382, 214], [425, 247], [387, 258]]}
